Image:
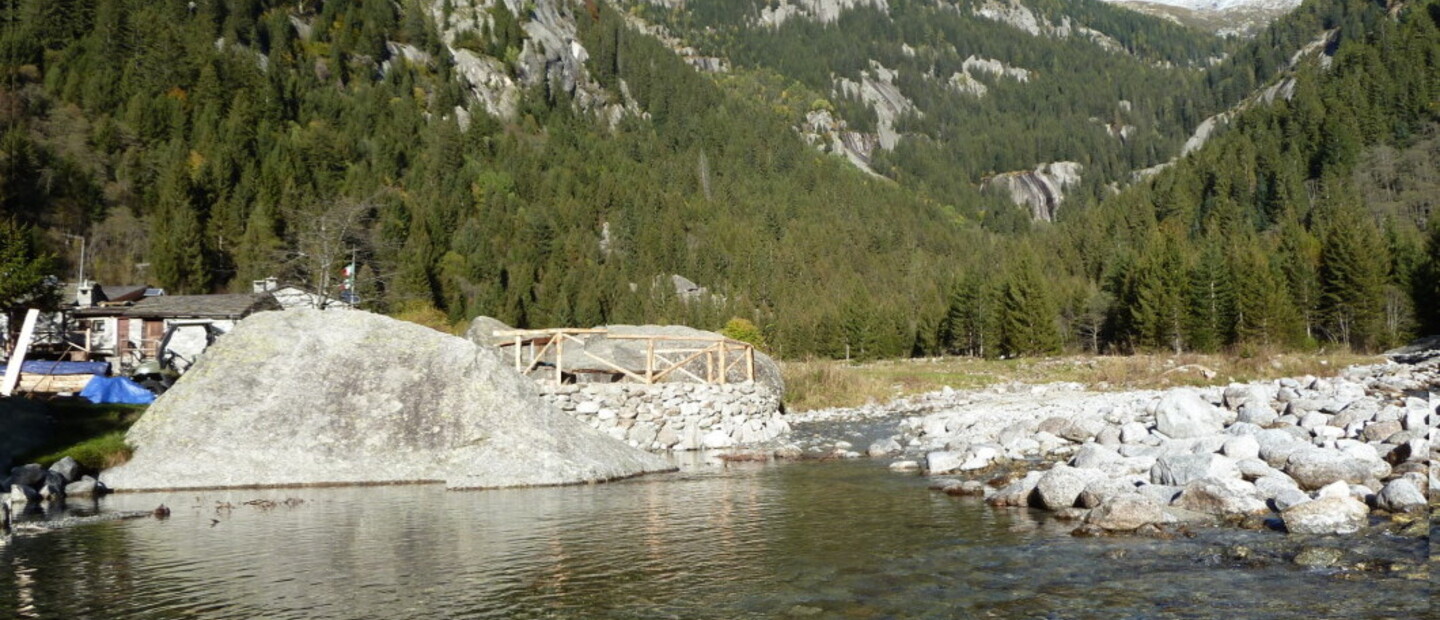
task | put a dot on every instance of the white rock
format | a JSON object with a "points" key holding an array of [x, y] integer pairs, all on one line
{"points": [[1183, 414], [1241, 447]]}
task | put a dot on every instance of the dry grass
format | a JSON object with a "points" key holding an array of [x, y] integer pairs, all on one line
{"points": [[819, 384]]}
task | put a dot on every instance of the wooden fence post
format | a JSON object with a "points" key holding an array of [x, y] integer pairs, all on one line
{"points": [[559, 359]]}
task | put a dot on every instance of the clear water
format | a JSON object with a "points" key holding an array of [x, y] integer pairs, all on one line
{"points": [[832, 539]]}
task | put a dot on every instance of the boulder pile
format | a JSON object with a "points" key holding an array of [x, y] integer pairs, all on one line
{"points": [[1309, 455]]}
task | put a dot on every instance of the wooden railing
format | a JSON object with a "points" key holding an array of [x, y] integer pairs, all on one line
{"points": [[664, 355]]}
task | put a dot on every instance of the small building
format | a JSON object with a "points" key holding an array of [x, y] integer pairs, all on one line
{"points": [[292, 296], [178, 328]]}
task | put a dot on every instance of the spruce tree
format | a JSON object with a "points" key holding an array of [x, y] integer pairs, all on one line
{"points": [[1158, 309], [1353, 266], [1027, 310], [177, 259], [1426, 285]]}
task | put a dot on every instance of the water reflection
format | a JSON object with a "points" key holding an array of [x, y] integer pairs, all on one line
{"points": [[748, 540]]}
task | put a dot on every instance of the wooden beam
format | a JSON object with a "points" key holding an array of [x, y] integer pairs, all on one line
{"points": [[681, 369], [22, 346], [683, 362], [535, 333]]}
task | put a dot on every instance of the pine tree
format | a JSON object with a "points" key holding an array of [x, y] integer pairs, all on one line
{"points": [[1425, 286], [1211, 300], [1353, 265], [1263, 311], [177, 259], [1158, 309], [1027, 310]]}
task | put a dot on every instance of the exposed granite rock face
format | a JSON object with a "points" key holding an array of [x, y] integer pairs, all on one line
{"points": [[343, 396], [551, 54], [1040, 190], [878, 90]]}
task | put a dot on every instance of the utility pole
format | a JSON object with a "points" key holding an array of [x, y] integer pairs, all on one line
{"points": [[79, 279]]}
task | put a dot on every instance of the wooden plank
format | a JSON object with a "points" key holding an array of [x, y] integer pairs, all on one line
{"points": [[750, 364], [559, 359], [681, 369], [682, 363], [536, 357], [22, 346]]}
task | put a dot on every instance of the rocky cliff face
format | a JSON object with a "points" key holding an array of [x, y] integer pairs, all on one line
{"points": [[1040, 190], [878, 90], [551, 54], [332, 397]]}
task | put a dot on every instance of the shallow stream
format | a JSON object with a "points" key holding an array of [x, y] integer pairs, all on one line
{"points": [[801, 539]]}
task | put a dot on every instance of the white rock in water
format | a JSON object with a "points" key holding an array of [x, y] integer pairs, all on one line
{"points": [[1126, 512], [1222, 496], [1061, 486], [284, 399], [979, 457], [1400, 495], [904, 466], [1329, 515], [943, 461], [716, 439]]}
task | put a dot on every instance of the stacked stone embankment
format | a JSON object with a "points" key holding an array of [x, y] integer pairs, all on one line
{"points": [[1308, 455], [676, 416]]}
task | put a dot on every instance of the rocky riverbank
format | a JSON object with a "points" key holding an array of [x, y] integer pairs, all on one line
{"points": [[1304, 455]]}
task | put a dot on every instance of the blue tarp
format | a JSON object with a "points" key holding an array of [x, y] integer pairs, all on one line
{"points": [[46, 367], [116, 390]]}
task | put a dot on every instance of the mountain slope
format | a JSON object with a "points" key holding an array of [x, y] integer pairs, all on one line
{"points": [[553, 163]]}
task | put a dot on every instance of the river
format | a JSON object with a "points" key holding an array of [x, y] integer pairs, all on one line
{"points": [[745, 540]]}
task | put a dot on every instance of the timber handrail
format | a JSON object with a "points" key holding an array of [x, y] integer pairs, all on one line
{"points": [[714, 352]]}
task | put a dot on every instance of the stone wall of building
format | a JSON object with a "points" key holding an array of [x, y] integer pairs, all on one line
{"points": [[675, 416]]}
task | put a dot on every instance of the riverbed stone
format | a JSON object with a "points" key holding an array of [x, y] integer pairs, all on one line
{"points": [[1259, 415], [1183, 414], [30, 475], [1093, 455], [1127, 512], [86, 486], [1277, 445], [68, 469], [979, 457], [1097, 491], [884, 447], [284, 399], [1018, 492], [1378, 431], [943, 461], [1329, 515], [1061, 486], [1179, 470], [1314, 468], [1319, 557], [1133, 432], [1400, 495], [1241, 447], [1222, 496]]}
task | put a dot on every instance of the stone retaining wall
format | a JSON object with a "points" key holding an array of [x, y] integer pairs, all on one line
{"points": [[675, 416]]}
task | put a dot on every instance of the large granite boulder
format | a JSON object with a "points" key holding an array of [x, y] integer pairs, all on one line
{"points": [[342, 396]]}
